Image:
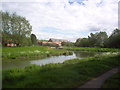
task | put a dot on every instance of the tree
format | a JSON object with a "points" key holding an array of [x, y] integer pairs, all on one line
{"points": [[77, 43], [101, 38], [71, 44], [83, 42], [5, 27], [33, 39], [94, 40], [15, 28], [97, 39], [114, 39]]}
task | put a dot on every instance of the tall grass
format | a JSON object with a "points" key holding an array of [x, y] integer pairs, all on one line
{"points": [[69, 74], [33, 52]]}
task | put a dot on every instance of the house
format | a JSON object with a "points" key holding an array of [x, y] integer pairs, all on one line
{"points": [[42, 43], [11, 45], [57, 41], [52, 42]]}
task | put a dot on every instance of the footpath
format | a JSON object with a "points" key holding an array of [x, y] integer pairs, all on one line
{"points": [[97, 82]]}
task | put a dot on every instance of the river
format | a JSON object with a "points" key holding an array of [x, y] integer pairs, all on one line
{"points": [[52, 59]]}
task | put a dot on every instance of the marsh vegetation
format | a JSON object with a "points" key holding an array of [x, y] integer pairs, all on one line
{"points": [[69, 74]]}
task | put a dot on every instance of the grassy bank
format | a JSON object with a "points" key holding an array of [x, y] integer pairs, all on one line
{"points": [[91, 49], [69, 74], [112, 82], [27, 53]]}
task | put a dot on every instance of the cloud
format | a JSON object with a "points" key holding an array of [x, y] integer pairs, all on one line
{"points": [[67, 17]]}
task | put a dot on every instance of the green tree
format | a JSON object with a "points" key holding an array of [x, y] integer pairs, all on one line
{"points": [[83, 42], [114, 39], [101, 38], [71, 44], [5, 27], [33, 39], [92, 39], [77, 43], [15, 28], [97, 39]]}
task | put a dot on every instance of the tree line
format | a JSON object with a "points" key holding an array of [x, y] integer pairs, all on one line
{"points": [[100, 39], [16, 29]]}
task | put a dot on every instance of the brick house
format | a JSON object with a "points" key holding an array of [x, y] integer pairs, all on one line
{"points": [[57, 41], [52, 41], [11, 45]]}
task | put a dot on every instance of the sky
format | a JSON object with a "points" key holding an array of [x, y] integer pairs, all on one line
{"points": [[66, 19]]}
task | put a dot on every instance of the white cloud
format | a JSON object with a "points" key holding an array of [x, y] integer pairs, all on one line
{"points": [[95, 14]]}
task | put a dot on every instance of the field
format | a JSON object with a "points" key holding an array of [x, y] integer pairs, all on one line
{"points": [[29, 53], [69, 74], [37, 52]]}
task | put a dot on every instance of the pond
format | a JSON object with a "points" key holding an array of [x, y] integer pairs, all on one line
{"points": [[53, 59]]}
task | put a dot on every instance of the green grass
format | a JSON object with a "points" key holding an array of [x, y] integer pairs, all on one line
{"points": [[92, 49], [29, 53], [113, 81], [69, 74], [37, 52]]}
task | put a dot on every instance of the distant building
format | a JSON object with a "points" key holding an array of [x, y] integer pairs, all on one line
{"points": [[52, 41], [56, 40], [11, 45]]}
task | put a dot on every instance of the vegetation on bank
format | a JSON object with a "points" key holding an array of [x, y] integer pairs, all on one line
{"points": [[39, 52], [100, 39], [69, 74], [113, 81], [96, 49], [31, 52]]}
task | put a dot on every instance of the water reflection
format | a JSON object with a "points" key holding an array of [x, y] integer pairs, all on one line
{"points": [[84, 54], [55, 59]]}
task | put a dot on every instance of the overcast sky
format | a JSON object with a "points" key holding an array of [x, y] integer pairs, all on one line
{"points": [[66, 19]]}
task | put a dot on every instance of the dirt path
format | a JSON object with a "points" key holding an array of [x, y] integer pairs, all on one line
{"points": [[97, 82]]}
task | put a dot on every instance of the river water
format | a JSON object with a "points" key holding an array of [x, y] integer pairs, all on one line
{"points": [[53, 59]]}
